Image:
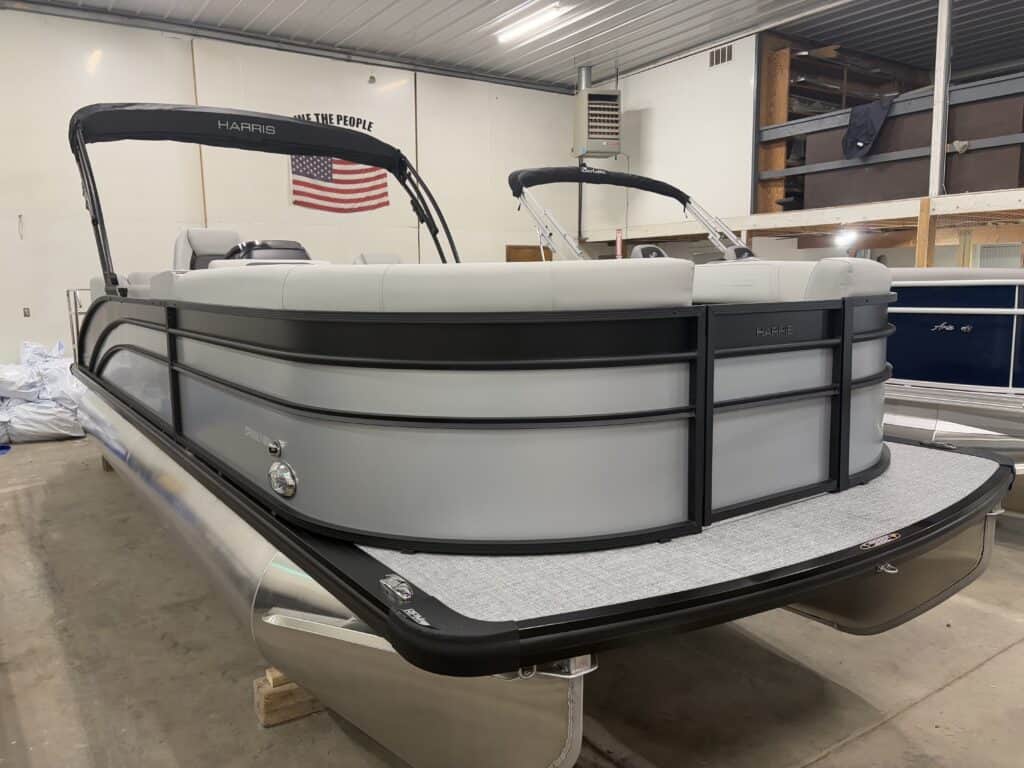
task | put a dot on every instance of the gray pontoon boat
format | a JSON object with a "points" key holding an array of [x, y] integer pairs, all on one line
{"points": [[412, 474]]}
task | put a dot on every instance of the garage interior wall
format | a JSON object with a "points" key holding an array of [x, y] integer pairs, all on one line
{"points": [[464, 136], [676, 119]]}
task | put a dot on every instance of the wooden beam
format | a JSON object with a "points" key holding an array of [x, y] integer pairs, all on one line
{"points": [[924, 256]]}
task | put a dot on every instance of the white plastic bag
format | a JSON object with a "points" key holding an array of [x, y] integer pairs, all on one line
{"points": [[33, 354], [41, 420], [20, 381], [58, 383]]}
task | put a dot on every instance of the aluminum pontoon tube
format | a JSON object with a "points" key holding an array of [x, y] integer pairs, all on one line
{"points": [[428, 720]]}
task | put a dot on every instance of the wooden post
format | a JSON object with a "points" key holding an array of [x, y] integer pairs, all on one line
{"points": [[965, 247], [924, 256], [774, 109]]}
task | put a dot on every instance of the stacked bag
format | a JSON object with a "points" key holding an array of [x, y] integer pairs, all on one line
{"points": [[38, 396]]}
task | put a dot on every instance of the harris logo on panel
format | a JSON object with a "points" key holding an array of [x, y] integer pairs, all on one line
{"points": [[335, 185]]}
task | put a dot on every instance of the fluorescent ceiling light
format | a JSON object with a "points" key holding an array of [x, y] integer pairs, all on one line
{"points": [[532, 23], [845, 237]]}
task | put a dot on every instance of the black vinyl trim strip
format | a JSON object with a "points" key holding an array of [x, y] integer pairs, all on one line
{"points": [[512, 364], [602, 419], [877, 378], [109, 352], [776, 398], [882, 333], [791, 346]]}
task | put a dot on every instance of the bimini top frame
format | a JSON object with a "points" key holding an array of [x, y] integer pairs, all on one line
{"points": [[238, 129], [519, 181]]}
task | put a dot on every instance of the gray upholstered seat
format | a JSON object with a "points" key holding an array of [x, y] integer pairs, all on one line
{"points": [[195, 248]]}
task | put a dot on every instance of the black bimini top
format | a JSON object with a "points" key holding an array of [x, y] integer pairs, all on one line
{"points": [[238, 129], [584, 174], [234, 128]]}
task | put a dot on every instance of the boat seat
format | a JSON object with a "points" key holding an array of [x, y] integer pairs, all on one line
{"points": [[136, 285], [477, 287], [753, 280], [196, 247]]}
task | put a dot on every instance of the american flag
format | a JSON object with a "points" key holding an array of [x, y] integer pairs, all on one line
{"points": [[340, 186]]}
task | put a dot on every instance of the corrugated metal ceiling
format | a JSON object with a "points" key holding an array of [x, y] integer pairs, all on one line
{"points": [[459, 35], [985, 32]]}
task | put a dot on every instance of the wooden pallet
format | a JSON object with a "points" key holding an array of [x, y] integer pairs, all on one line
{"points": [[278, 700]]}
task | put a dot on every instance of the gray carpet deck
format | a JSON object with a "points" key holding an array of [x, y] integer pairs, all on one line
{"points": [[919, 482]]}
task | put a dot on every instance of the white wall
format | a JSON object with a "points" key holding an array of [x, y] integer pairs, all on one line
{"points": [[50, 67], [469, 136], [689, 125], [249, 192]]}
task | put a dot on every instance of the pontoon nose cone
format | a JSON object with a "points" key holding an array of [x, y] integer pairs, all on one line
{"points": [[283, 479]]}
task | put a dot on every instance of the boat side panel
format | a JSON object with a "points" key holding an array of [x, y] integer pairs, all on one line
{"points": [[796, 455], [868, 358], [435, 482], [867, 410], [545, 393], [781, 372]]}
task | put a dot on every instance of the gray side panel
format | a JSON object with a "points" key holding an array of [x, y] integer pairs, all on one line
{"points": [[867, 405], [144, 379], [793, 450], [443, 483], [753, 375], [868, 358], [455, 394]]}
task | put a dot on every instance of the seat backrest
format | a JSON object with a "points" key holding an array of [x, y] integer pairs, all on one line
{"points": [[753, 280], [469, 287], [195, 248]]}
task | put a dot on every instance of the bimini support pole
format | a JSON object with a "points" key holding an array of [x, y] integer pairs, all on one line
{"points": [[92, 205], [545, 223], [723, 238]]}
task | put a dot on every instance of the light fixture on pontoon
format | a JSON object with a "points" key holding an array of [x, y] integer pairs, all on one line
{"points": [[532, 23]]}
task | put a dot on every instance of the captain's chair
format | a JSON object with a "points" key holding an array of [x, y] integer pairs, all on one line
{"points": [[196, 248]]}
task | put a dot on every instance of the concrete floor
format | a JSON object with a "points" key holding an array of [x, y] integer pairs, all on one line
{"points": [[113, 652]]}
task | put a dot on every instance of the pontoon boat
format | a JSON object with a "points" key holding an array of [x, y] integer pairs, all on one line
{"points": [[489, 469]]}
